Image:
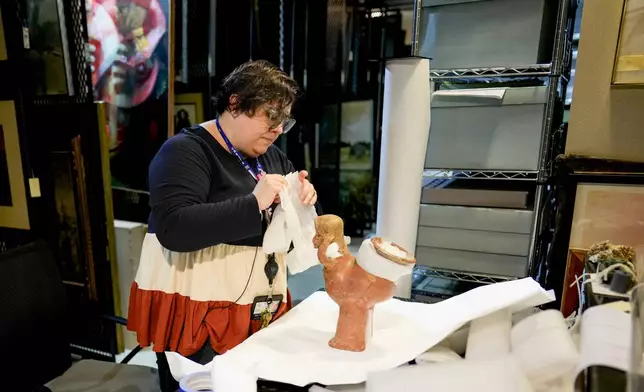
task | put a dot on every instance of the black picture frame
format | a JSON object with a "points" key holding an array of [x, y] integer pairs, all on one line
{"points": [[570, 172]]}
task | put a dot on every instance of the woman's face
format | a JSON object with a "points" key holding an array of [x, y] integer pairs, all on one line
{"points": [[257, 133]]}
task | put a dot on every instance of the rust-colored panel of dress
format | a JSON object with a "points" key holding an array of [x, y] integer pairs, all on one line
{"points": [[173, 322]]}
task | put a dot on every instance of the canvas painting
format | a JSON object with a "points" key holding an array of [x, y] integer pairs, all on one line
{"points": [[612, 212], [69, 252], [129, 55]]}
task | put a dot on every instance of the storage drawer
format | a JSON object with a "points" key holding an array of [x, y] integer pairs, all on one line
{"points": [[482, 34], [514, 244], [481, 129], [475, 197], [475, 218], [472, 262]]}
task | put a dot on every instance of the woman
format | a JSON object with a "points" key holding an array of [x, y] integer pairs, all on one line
{"points": [[211, 191]]}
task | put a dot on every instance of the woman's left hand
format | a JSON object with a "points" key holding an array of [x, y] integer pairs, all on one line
{"points": [[309, 195]]}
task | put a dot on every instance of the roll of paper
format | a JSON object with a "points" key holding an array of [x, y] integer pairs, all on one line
{"points": [[543, 347], [405, 131], [489, 336], [438, 354], [500, 375]]}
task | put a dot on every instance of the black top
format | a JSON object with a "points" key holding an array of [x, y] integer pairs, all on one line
{"points": [[201, 195]]}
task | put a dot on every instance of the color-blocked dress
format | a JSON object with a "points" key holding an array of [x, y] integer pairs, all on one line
{"points": [[202, 264]]}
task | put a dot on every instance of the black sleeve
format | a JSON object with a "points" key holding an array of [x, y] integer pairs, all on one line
{"points": [[183, 219]]}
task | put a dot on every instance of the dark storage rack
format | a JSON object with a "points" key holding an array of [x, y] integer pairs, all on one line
{"points": [[557, 74]]}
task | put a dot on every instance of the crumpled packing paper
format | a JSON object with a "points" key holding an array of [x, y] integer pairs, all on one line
{"points": [[292, 221], [295, 349]]}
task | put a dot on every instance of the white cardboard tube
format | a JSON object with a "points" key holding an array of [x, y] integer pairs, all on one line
{"points": [[405, 131]]}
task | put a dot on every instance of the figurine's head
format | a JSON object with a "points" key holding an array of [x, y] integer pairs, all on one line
{"points": [[328, 229]]}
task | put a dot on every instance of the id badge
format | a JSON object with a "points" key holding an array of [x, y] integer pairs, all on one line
{"points": [[262, 305]]}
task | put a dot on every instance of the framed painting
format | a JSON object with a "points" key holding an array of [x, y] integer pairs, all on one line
{"points": [[74, 242], [188, 110], [629, 58], [13, 196]]}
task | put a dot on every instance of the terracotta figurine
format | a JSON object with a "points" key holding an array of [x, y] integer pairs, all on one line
{"points": [[357, 285]]}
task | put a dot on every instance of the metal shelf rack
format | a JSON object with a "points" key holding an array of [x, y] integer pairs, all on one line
{"points": [[514, 175], [557, 75], [460, 73], [460, 275]]}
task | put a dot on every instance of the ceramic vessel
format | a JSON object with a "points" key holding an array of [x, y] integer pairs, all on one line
{"points": [[357, 285]]}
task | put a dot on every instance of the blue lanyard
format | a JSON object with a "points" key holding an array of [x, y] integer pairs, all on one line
{"points": [[259, 170]]}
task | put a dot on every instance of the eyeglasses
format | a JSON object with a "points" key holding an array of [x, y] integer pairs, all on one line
{"points": [[286, 125]]}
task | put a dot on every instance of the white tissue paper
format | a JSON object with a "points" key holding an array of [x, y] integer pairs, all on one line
{"points": [[181, 366], [294, 349], [292, 221], [231, 376]]}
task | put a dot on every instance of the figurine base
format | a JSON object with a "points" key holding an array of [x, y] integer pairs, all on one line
{"points": [[340, 344]]}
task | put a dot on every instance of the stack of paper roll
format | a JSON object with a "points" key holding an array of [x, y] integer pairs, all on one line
{"points": [[493, 353], [543, 347], [489, 336]]}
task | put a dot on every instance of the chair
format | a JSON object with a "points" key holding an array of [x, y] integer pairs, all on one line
{"points": [[33, 333]]}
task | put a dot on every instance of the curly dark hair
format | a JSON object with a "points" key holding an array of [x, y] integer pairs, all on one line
{"points": [[257, 85]]}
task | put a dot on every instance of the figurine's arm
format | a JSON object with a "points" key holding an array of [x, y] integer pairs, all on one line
{"points": [[326, 253], [333, 251]]}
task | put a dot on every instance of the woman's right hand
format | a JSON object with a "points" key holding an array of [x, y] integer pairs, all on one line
{"points": [[267, 189]]}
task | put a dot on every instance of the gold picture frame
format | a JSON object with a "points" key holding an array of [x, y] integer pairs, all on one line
{"points": [[3, 44], [15, 215], [628, 69], [189, 105]]}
